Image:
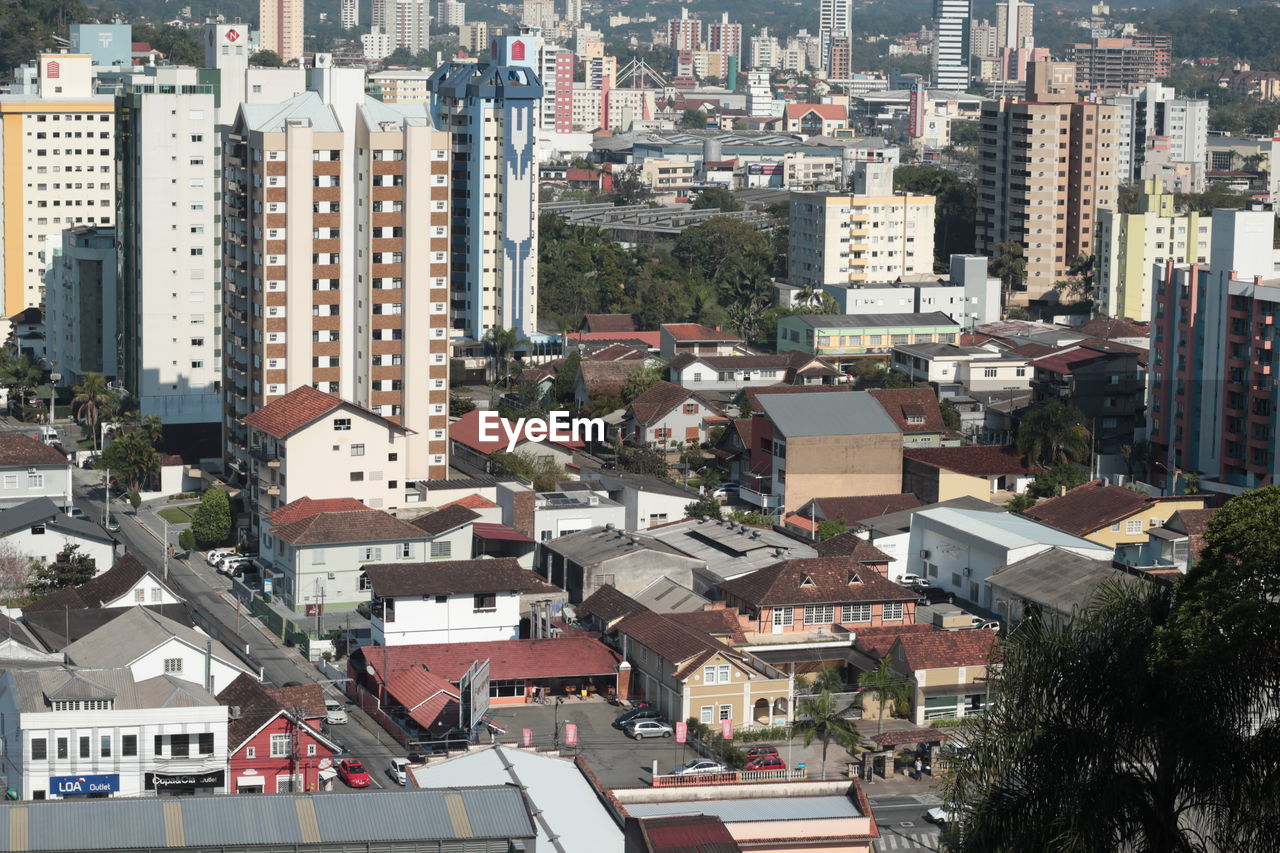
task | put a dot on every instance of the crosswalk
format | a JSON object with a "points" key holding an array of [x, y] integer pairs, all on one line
{"points": [[909, 839]]}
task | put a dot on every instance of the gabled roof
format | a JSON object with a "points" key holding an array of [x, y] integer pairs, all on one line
{"points": [[849, 544], [1110, 328], [938, 649], [616, 352], [1056, 579], [611, 323], [451, 577], [906, 404], [816, 580], [122, 641], [569, 655], [471, 502], [44, 511], [829, 112], [804, 415], [756, 395], [680, 644], [692, 833], [698, 332], [660, 399], [855, 508], [21, 450], [307, 699], [717, 622], [448, 518], [336, 528], [466, 430], [975, 460], [259, 705], [101, 589], [605, 377], [307, 507], [301, 407], [608, 605], [664, 595], [1091, 507]]}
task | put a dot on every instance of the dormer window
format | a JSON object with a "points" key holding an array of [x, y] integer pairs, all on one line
{"points": [[82, 704], [915, 419], [808, 581], [853, 578]]}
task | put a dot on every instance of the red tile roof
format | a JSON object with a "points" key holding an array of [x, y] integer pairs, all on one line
{"points": [[903, 404], [857, 508], [564, 657], [877, 641], [307, 699], [660, 399], [499, 532], [334, 528], [466, 431], [849, 544], [450, 577], [720, 622], [616, 352], [426, 697], [17, 449], [817, 580], [826, 111], [938, 649], [471, 502], [1093, 506], [975, 460], [307, 507], [611, 323], [605, 377], [288, 414], [1066, 362], [608, 604], [695, 833], [648, 339], [1110, 328], [697, 332]]}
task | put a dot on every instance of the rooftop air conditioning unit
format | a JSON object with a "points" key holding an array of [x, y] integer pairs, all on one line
{"points": [[925, 554], [967, 571]]}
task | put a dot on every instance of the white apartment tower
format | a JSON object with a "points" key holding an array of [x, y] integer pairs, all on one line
{"points": [[59, 170], [835, 19], [452, 13], [951, 44], [350, 13], [408, 22], [765, 52]]}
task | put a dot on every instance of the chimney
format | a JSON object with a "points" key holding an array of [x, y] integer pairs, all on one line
{"points": [[522, 508]]}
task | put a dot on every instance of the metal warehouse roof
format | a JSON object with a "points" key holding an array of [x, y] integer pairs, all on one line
{"points": [[433, 814], [754, 809]]}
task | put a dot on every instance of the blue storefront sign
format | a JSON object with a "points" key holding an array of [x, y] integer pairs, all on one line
{"points": [[70, 786]]}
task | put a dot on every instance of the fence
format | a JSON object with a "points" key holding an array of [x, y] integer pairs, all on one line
{"points": [[732, 777], [283, 628]]}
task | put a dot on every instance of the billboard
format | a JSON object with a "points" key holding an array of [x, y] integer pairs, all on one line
{"points": [[571, 734], [70, 786], [474, 689]]}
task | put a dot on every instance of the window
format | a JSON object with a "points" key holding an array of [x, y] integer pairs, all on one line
{"points": [[485, 602], [172, 665], [317, 557], [691, 408], [250, 752], [364, 585], [63, 748], [84, 747], [206, 743], [1115, 528], [707, 714], [104, 746], [129, 745], [357, 476], [357, 450], [891, 611], [442, 549], [279, 746], [989, 372], [716, 675], [819, 614], [39, 749], [783, 616], [1133, 525], [342, 424], [35, 481], [406, 550], [140, 596], [159, 744], [506, 687], [311, 749], [856, 613], [179, 746], [372, 553], [726, 712]]}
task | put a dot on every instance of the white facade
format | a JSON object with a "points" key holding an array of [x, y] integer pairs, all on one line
{"points": [[350, 14], [452, 13], [180, 658], [21, 483], [684, 423], [147, 590], [408, 22], [464, 618], [647, 504], [80, 305], [951, 44], [558, 515], [376, 45], [759, 92], [45, 541], [47, 749], [699, 376], [331, 574], [1154, 117], [835, 20]]}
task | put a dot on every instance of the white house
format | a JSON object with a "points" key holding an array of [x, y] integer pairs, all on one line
{"points": [[458, 601], [31, 469], [39, 530], [667, 415], [550, 515], [647, 501], [104, 732], [733, 372], [959, 549], [316, 556], [126, 584], [449, 531], [470, 447], [151, 645]]}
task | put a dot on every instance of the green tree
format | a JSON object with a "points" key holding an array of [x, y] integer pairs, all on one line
{"points": [[1054, 432], [566, 374], [693, 119], [643, 460], [69, 568], [889, 686], [131, 458], [1010, 266], [459, 405], [821, 717], [705, 507], [153, 426], [955, 207], [950, 415], [717, 198], [211, 524], [831, 527], [20, 375], [1162, 755], [91, 400], [186, 539], [629, 186], [178, 46], [266, 59], [503, 345], [641, 379], [1021, 503], [1064, 476], [542, 473]]}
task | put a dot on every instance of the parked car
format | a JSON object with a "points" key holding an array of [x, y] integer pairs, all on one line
{"points": [[989, 624], [761, 751], [649, 728], [938, 815], [727, 491], [913, 580], [700, 767], [634, 715], [766, 762], [112, 526], [352, 772], [217, 556], [398, 770], [935, 595], [335, 713], [234, 566], [76, 512]]}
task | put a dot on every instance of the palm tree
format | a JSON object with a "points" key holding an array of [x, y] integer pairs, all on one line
{"points": [[810, 296], [92, 399], [1010, 266], [1098, 739], [888, 686], [1054, 432], [20, 375], [153, 426], [821, 717], [503, 344]]}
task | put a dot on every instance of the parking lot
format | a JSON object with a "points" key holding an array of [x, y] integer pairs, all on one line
{"points": [[617, 760]]}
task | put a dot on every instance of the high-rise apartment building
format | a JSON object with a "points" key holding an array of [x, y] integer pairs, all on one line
{"points": [[170, 287], [871, 234], [408, 22], [452, 13], [350, 14], [1046, 166], [1015, 25], [951, 20], [491, 109], [280, 27], [556, 74], [539, 13], [765, 52], [835, 18], [684, 32], [1214, 400], [984, 41], [1153, 117], [336, 262], [474, 36], [759, 94], [58, 148], [573, 11], [1130, 243], [725, 37], [80, 305], [1111, 65]]}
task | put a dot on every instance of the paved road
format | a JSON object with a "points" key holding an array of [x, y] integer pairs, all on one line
{"points": [[902, 824], [216, 612]]}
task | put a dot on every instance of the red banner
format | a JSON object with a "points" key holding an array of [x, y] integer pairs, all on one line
{"points": [[571, 734], [726, 729], [682, 732], [526, 737]]}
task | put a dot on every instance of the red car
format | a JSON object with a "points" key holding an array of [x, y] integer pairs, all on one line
{"points": [[351, 771], [766, 762], [761, 751]]}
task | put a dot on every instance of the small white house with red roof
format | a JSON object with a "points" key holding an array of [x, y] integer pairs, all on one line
{"points": [[470, 448], [695, 339], [816, 119]]}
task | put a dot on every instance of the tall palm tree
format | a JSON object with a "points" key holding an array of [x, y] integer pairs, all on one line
{"points": [[503, 344], [20, 375], [153, 426], [92, 399], [1010, 265], [889, 686], [1055, 432], [1098, 740], [821, 717]]}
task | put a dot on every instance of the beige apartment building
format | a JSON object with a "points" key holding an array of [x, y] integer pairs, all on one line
{"points": [[280, 27], [336, 264], [1046, 166]]}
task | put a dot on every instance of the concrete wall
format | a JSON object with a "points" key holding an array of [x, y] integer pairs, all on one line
{"points": [[841, 465]]}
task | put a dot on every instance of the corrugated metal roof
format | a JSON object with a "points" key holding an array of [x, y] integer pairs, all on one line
{"points": [[752, 809]]}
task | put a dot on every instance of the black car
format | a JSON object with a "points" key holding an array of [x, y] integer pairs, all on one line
{"points": [[632, 716], [935, 595]]}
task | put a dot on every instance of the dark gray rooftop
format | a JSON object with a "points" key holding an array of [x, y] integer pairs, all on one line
{"points": [[854, 413]]}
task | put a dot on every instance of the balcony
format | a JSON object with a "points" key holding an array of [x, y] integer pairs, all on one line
{"points": [[761, 499], [273, 491]]}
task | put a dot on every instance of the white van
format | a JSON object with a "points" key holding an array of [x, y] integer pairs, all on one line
{"points": [[49, 436]]}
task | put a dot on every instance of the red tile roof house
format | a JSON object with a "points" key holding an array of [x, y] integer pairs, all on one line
{"points": [[696, 339], [470, 451], [947, 670], [821, 594], [918, 414], [273, 740], [667, 416], [937, 474], [417, 687], [850, 510]]}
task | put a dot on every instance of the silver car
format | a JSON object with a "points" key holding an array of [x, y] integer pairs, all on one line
{"points": [[649, 728]]}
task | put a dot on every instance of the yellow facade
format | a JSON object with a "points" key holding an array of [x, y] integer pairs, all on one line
{"points": [[1133, 528]]}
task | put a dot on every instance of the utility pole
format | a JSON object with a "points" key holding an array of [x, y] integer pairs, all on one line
{"points": [[106, 497], [166, 549]]}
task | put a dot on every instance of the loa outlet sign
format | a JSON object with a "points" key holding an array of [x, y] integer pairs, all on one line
{"points": [[70, 786]]}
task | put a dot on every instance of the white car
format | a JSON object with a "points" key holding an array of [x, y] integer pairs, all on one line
{"points": [[989, 624], [938, 815], [700, 767], [233, 565], [215, 557], [649, 728], [335, 713], [398, 770], [913, 580]]}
